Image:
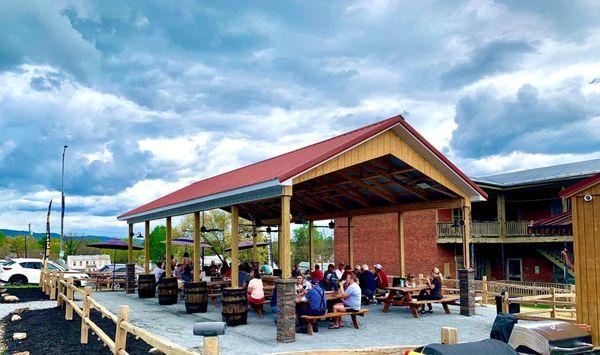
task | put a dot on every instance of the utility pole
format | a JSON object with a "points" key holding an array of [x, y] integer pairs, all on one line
{"points": [[26, 239], [62, 210]]}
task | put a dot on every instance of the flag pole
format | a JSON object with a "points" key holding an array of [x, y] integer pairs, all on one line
{"points": [[62, 208]]}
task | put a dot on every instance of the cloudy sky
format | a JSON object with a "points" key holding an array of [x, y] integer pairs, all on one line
{"points": [[151, 96]]}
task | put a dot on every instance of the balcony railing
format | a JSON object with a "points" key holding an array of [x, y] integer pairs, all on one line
{"points": [[484, 229]]}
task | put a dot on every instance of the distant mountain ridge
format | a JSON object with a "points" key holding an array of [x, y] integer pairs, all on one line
{"points": [[14, 233]]}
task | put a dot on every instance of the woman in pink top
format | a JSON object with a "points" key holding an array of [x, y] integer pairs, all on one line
{"points": [[256, 293]]}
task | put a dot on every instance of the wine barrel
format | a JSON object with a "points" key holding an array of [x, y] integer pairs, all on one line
{"points": [[168, 291], [196, 297], [146, 286], [234, 306]]}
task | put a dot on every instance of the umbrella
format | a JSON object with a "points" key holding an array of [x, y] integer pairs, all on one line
{"points": [[187, 241], [114, 244], [247, 244]]}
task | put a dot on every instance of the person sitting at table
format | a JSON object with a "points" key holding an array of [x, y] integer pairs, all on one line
{"points": [[159, 272], [243, 275], [434, 291], [213, 269], [186, 275], [296, 270], [317, 274], [351, 298], [178, 270], [301, 284], [368, 284], [310, 302], [381, 280], [339, 271], [330, 281], [256, 293], [225, 269], [266, 269]]}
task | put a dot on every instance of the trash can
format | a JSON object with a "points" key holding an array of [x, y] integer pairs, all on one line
{"points": [[512, 307]]}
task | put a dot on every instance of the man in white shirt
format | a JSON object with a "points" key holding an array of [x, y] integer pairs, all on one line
{"points": [[158, 271], [339, 272]]}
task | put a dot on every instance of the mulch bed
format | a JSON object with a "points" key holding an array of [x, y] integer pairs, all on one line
{"points": [[49, 333], [28, 294]]}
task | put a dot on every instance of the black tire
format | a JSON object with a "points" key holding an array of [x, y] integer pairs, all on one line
{"points": [[18, 280]]}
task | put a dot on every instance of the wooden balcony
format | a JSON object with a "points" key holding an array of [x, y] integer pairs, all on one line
{"points": [[491, 232]]}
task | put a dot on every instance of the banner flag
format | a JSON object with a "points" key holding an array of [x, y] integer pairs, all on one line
{"points": [[47, 248]]}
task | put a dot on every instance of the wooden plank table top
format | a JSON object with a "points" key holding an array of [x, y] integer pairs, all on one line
{"points": [[406, 289]]}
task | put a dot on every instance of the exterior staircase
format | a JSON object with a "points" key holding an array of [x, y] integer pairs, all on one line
{"points": [[555, 258]]}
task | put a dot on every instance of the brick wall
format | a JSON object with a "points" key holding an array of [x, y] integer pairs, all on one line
{"points": [[376, 241]]}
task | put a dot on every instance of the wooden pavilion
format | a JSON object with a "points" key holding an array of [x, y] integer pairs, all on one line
{"points": [[380, 168]]}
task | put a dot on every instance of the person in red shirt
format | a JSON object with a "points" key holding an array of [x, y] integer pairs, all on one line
{"points": [[381, 280], [317, 274]]}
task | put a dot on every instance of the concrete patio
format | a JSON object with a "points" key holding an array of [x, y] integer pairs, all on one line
{"points": [[397, 327]]}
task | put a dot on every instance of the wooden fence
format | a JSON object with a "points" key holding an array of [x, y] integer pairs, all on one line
{"points": [[62, 290]]}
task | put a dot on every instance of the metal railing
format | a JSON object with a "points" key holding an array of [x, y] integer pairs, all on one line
{"points": [[489, 229]]}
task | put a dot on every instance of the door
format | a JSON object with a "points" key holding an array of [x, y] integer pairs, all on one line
{"points": [[514, 269]]}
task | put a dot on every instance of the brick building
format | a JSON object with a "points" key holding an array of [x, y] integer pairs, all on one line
{"points": [[517, 233]]}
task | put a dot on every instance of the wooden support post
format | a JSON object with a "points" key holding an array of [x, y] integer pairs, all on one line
{"points": [[235, 241], [42, 280], [129, 245], [401, 258], [196, 263], [484, 289], [69, 308], [449, 336], [59, 289], [350, 242], [168, 249], [254, 248], [466, 237], [501, 214], [311, 246], [284, 234], [211, 346], [86, 314], [505, 303], [121, 334], [553, 293], [147, 247]]}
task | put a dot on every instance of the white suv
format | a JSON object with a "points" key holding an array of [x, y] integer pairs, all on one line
{"points": [[23, 271]]}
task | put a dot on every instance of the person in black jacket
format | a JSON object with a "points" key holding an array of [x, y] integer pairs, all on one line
{"points": [[434, 292]]}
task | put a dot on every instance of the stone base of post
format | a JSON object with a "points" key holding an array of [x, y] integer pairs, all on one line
{"points": [[467, 292], [286, 310], [130, 284]]}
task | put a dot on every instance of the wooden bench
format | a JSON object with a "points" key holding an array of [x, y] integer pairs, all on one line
{"points": [[448, 299], [310, 320]]}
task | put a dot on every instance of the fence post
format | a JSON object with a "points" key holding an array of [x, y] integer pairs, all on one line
{"points": [[59, 289], [42, 280], [211, 345], [69, 308], [53, 286], [505, 302], [86, 314], [121, 334], [553, 312], [484, 290], [449, 335]]}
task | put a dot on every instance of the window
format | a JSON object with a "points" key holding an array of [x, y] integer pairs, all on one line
{"points": [[52, 266], [36, 265]]}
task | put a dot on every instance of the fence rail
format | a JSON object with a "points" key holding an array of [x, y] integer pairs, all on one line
{"points": [[61, 288]]}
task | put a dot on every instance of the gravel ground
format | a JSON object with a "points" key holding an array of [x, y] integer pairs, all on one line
{"points": [[397, 327]]}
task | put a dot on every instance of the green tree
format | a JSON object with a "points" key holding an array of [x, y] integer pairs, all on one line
{"points": [[157, 248], [300, 245], [2, 239]]}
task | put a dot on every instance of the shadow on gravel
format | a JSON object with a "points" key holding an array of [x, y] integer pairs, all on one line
{"points": [[49, 333]]}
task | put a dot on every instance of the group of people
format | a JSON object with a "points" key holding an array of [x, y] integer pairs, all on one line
{"points": [[184, 269]]}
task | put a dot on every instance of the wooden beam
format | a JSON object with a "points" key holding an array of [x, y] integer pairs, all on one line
{"points": [[379, 191], [354, 196], [235, 241], [395, 180], [129, 245], [501, 213], [402, 207], [466, 234], [196, 262], [401, 257], [350, 242], [147, 247], [284, 234], [168, 249], [334, 203]]}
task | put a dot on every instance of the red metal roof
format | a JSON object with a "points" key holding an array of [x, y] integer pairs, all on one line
{"points": [[561, 219], [288, 165], [560, 224], [582, 185]]}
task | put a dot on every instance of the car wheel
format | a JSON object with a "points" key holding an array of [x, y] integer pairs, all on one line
{"points": [[18, 280]]}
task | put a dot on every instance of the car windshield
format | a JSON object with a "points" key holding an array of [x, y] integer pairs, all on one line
{"points": [[53, 266]]}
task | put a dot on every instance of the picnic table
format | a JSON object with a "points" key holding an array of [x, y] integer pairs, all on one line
{"points": [[406, 299], [108, 279]]}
